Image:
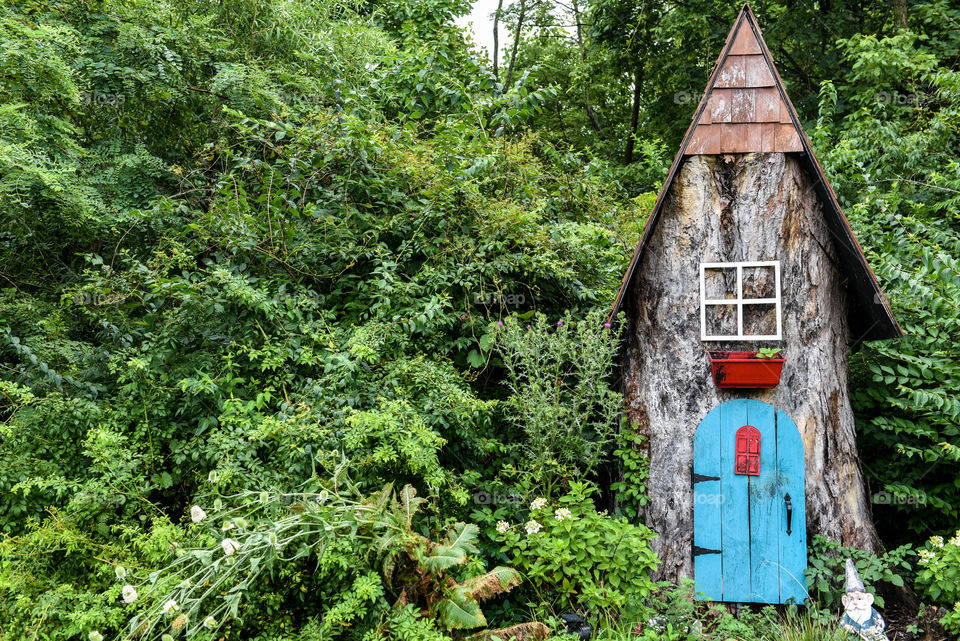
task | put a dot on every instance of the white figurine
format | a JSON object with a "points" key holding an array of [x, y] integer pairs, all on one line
{"points": [[859, 614]]}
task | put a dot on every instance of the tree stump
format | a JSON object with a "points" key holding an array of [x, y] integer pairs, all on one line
{"points": [[741, 207]]}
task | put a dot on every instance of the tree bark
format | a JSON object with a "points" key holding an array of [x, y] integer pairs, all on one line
{"points": [[516, 40], [745, 207], [586, 82], [900, 14], [634, 115], [496, 40]]}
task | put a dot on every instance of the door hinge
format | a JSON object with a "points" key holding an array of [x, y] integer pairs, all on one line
{"points": [[697, 478], [697, 551]]}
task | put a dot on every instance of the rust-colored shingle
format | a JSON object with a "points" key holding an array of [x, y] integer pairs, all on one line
{"points": [[744, 91]]}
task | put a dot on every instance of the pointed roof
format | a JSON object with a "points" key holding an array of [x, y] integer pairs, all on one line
{"points": [[745, 108]]}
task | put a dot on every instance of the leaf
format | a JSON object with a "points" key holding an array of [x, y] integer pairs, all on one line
{"points": [[459, 542], [410, 503], [233, 602], [459, 611], [499, 580], [475, 359], [487, 341], [533, 631]]}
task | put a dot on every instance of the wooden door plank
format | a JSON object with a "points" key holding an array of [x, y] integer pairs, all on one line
{"points": [[793, 548], [734, 528], [707, 497], [764, 498]]}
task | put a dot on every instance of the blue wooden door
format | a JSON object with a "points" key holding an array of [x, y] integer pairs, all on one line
{"points": [[743, 551]]}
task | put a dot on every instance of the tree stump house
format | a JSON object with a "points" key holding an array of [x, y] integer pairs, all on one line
{"points": [[746, 251]]}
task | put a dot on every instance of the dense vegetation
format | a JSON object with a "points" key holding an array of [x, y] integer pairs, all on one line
{"points": [[276, 260]]}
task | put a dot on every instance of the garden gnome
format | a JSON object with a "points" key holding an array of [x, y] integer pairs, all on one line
{"points": [[859, 615]]}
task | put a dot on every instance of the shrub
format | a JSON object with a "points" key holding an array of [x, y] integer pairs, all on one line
{"points": [[560, 398], [365, 548], [939, 577], [581, 559]]}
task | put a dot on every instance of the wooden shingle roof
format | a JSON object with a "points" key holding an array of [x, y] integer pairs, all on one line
{"points": [[745, 109]]}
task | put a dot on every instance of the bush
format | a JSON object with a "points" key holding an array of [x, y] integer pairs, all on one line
{"points": [[370, 563], [560, 398], [580, 559], [939, 577]]}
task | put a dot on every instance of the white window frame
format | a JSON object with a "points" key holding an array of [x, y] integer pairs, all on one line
{"points": [[740, 301]]}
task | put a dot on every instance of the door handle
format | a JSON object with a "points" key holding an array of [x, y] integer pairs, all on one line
{"points": [[789, 504]]}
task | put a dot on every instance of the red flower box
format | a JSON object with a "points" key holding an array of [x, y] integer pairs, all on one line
{"points": [[744, 370]]}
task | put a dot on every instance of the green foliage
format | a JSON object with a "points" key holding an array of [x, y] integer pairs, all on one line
{"points": [[807, 626], [635, 467], [557, 375], [826, 572], [675, 613], [229, 260], [889, 144], [364, 548], [768, 352], [939, 577], [581, 559]]}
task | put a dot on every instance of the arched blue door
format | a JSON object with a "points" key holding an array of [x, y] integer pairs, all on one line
{"points": [[749, 522]]}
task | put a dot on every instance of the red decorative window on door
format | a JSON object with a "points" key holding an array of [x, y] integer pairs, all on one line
{"points": [[748, 451]]}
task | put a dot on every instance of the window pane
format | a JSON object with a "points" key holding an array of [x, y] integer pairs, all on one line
{"points": [[760, 320], [720, 283], [759, 282], [721, 320]]}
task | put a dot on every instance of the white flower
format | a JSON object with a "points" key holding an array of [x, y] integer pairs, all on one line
{"points": [[170, 606], [538, 504], [209, 623], [503, 527], [562, 514], [936, 541], [229, 546], [532, 527], [925, 556], [955, 540], [129, 594], [95, 636], [120, 572], [197, 514]]}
